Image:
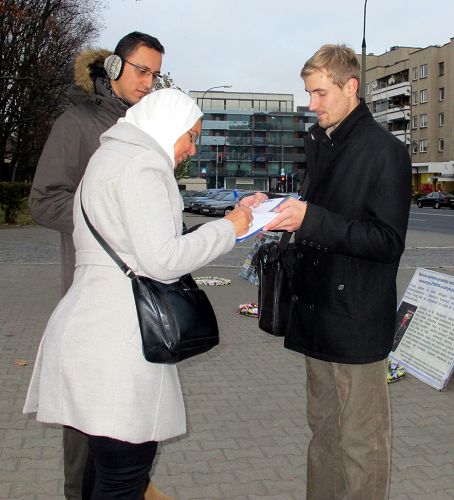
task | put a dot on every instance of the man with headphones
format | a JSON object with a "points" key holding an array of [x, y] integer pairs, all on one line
{"points": [[106, 86]]}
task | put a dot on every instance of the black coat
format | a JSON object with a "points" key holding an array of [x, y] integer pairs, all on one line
{"points": [[351, 240]]}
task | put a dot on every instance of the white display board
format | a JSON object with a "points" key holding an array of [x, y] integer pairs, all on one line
{"points": [[424, 335]]}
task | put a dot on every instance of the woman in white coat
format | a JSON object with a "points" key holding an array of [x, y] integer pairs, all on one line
{"points": [[90, 373]]}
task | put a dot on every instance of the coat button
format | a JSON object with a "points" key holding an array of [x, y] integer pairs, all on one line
{"points": [[300, 256], [316, 262], [294, 298], [311, 307], [341, 287]]}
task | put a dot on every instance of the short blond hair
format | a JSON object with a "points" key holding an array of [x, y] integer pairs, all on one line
{"points": [[339, 62]]}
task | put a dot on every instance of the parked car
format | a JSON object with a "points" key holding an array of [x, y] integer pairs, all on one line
{"points": [[187, 199], [436, 200], [197, 205], [187, 192], [224, 204], [194, 202]]}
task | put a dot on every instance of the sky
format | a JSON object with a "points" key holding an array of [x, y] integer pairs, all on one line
{"points": [[261, 45]]}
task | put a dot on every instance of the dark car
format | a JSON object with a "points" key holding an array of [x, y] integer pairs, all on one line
{"points": [[436, 200], [224, 204], [194, 202], [187, 199]]}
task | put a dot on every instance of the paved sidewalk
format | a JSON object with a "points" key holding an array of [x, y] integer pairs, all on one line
{"points": [[245, 400]]}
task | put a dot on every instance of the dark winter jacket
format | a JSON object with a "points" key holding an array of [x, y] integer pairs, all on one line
{"points": [[72, 141], [351, 240]]}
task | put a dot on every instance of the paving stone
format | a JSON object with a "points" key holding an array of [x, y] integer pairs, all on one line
{"points": [[189, 492], [237, 489], [247, 431]]}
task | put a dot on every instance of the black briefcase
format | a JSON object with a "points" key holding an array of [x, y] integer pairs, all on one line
{"points": [[275, 269]]}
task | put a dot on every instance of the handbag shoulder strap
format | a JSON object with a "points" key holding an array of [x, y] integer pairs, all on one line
{"points": [[284, 241], [110, 251]]}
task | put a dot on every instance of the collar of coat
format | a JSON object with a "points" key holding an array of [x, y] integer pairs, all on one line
{"points": [[343, 130]]}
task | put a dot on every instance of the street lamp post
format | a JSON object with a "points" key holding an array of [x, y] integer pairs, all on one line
{"points": [[363, 57], [201, 120], [282, 171]]}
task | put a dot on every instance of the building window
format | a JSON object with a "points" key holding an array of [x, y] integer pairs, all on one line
{"points": [[367, 88], [415, 73], [423, 121], [423, 146], [441, 119], [441, 144], [424, 71], [423, 95], [441, 94], [414, 147], [414, 99], [414, 122], [441, 68]]}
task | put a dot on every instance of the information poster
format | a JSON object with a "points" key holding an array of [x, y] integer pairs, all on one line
{"points": [[424, 335]]}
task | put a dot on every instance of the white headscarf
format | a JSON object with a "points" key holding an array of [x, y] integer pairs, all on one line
{"points": [[166, 115]]}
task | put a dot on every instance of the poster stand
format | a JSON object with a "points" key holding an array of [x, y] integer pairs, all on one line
{"points": [[424, 334]]}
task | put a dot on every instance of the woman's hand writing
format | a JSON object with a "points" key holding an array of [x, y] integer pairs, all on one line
{"points": [[241, 217]]}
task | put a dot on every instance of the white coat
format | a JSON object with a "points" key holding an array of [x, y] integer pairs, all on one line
{"points": [[90, 372]]}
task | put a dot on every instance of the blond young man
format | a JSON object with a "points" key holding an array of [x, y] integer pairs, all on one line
{"points": [[351, 230]]}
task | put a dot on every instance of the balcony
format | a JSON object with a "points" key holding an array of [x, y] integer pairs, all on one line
{"points": [[239, 141], [214, 140], [402, 136], [392, 91], [393, 114], [215, 125]]}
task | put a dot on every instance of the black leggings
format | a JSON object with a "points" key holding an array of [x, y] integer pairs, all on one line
{"points": [[116, 469]]}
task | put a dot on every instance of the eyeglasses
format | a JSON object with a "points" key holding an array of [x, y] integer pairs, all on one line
{"points": [[194, 136], [142, 71]]}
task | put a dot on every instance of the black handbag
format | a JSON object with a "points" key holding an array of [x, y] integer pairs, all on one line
{"points": [[275, 269], [176, 320]]}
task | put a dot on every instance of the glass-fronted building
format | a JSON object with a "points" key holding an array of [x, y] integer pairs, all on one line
{"points": [[251, 141]]}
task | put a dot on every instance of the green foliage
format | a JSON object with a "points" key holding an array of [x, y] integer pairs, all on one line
{"points": [[13, 195], [182, 170]]}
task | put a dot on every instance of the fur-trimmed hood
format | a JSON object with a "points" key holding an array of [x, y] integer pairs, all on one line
{"points": [[87, 61]]}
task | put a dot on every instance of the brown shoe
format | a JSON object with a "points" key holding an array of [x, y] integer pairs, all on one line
{"points": [[152, 493]]}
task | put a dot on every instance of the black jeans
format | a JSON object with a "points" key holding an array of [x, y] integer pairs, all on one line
{"points": [[116, 469], [75, 452]]}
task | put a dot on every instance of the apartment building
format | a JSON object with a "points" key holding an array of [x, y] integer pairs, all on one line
{"points": [[251, 140], [409, 91]]}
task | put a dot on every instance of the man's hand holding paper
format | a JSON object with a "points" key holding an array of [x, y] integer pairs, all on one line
{"points": [[291, 213], [265, 214]]}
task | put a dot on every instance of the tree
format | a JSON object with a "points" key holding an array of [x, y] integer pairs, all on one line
{"points": [[182, 170], [39, 40]]}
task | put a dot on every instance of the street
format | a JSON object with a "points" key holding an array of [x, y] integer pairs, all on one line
{"points": [[429, 219], [423, 246]]}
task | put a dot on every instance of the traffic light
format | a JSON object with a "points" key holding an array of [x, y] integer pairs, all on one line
{"points": [[283, 179], [219, 158]]}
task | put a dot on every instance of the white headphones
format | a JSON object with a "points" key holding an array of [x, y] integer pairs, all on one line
{"points": [[114, 66]]}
